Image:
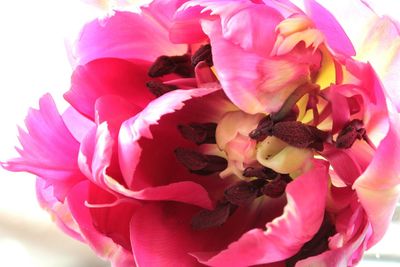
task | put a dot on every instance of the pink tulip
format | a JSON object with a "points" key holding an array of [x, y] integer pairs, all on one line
{"points": [[222, 133]]}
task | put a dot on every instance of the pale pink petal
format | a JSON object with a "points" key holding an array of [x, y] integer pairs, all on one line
{"points": [[125, 35], [254, 83], [249, 25], [102, 245], [335, 35], [108, 76], [285, 235], [381, 47], [378, 187], [48, 149], [354, 16]]}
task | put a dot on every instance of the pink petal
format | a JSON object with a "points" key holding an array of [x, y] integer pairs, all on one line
{"points": [[285, 235], [186, 27], [102, 245], [163, 11], [343, 162], [108, 76], [334, 33], [125, 35], [77, 124], [48, 149], [349, 253]]}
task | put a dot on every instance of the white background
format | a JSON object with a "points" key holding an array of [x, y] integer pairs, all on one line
{"points": [[33, 61]]}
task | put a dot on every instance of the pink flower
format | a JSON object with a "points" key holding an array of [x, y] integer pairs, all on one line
{"points": [[257, 137]]}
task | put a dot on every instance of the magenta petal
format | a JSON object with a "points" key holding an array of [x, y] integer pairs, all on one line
{"points": [[343, 162], [285, 235], [139, 126], [60, 211], [114, 109], [161, 239], [327, 24], [108, 76], [48, 149], [102, 245], [125, 35]]}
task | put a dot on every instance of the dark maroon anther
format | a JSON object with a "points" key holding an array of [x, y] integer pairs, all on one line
{"points": [[212, 218], [243, 193], [199, 133], [275, 188], [203, 54], [263, 130], [260, 172], [348, 135], [299, 135], [200, 164], [176, 64], [159, 88]]}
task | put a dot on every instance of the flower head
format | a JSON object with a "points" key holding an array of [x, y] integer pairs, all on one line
{"points": [[222, 133]]}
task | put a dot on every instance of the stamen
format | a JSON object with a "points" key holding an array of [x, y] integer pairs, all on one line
{"points": [[277, 187], [203, 54], [300, 135], [261, 173], [263, 130], [199, 133], [212, 218], [348, 135], [159, 88], [176, 64], [200, 164], [243, 193]]}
